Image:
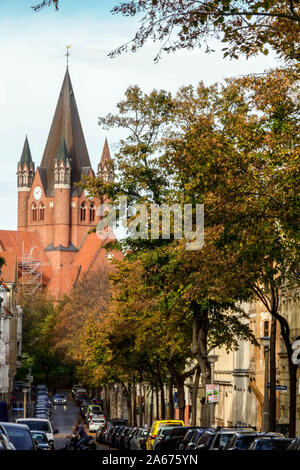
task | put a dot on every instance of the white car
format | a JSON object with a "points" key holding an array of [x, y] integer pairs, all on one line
{"points": [[40, 424], [59, 399], [96, 422]]}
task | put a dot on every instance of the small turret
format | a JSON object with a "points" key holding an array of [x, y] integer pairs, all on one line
{"points": [[105, 167], [25, 167]]}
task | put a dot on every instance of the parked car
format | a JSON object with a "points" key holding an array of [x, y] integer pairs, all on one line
{"points": [[99, 433], [160, 435], [122, 436], [171, 439], [5, 443], [74, 389], [41, 440], [191, 437], [141, 444], [118, 436], [242, 440], [158, 424], [59, 399], [43, 424], [133, 445], [205, 440], [271, 443], [95, 423], [128, 437], [110, 425], [19, 435], [295, 444], [93, 410], [80, 398]]}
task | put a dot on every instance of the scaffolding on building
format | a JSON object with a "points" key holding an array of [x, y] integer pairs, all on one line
{"points": [[30, 266]]}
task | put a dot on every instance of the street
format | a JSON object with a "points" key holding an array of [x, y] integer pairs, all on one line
{"points": [[63, 417]]}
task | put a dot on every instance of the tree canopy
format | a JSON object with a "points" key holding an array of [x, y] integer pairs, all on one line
{"points": [[245, 27]]}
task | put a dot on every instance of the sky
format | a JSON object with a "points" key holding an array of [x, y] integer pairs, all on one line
{"points": [[33, 63]]}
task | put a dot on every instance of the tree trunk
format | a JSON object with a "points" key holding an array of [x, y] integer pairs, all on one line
{"points": [[141, 406], [146, 412], [272, 390], [162, 400], [171, 399], [129, 407], [151, 408], [134, 420], [157, 402], [194, 397], [180, 397]]}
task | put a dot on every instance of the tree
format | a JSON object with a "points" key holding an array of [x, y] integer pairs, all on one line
{"points": [[242, 146], [246, 27], [38, 340]]}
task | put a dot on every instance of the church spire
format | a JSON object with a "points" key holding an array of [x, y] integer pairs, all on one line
{"points": [[26, 154], [66, 122], [25, 167], [105, 167]]}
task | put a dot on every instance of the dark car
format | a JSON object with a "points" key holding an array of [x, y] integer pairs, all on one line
{"points": [[141, 443], [122, 436], [110, 424], [191, 437], [128, 437], [243, 440], [295, 444], [271, 443], [19, 435], [205, 440], [118, 434], [41, 440], [5, 443], [99, 433], [171, 439]]}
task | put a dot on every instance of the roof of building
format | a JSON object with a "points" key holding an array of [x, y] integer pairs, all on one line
{"points": [[63, 281], [21, 243], [66, 122], [9, 269], [62, 155]]}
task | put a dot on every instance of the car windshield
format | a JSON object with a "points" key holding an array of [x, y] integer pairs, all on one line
{"points": [[20, 438], [41, 437], [245, 442], [59, 396], [35, 425], [97, 420]]}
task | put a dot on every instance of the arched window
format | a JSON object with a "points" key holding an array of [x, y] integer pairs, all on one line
{"points": [[82, 212], [42, 211], [92, 213], [34, 212]]}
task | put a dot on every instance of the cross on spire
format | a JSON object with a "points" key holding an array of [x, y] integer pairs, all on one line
{"points": [[68, 54]]}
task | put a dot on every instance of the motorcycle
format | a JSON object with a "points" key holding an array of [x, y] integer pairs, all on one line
{"points": [[71, 444]]}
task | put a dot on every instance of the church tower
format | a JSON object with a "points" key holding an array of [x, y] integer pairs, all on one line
{"points": [[51, 203]]}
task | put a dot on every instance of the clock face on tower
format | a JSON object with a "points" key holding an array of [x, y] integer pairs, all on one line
{"points": [[37, 193]]}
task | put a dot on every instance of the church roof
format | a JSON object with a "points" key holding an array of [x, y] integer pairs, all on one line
{"points": [[26, 154], [66, 122]]}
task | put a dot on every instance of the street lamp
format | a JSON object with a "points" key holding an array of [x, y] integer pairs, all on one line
{"points": [[265, 342], [212, 359]]}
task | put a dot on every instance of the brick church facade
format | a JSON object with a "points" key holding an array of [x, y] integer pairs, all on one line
{"points": [[55, 216]]}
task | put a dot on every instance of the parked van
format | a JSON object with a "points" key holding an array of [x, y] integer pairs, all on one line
{"points": [[159, 424]]}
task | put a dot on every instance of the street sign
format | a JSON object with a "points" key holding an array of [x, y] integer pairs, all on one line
{"points": [[279, 388], [212, 393]]}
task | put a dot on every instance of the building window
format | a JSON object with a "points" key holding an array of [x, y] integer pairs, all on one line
{"points": [[42, 211], [266, 328], [34, 212], [82, 212], [92, 213]]}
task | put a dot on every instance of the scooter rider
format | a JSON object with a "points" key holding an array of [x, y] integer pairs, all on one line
{"points": [[81, 432]]}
